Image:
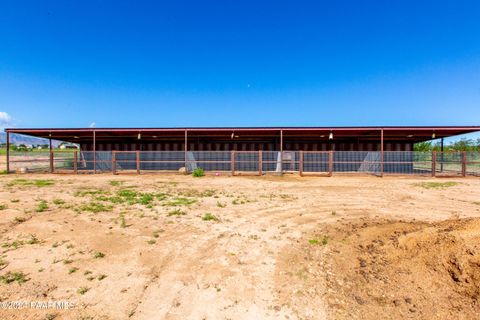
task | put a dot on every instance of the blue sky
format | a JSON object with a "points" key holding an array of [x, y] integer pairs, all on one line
{"points": [[239, 63]]}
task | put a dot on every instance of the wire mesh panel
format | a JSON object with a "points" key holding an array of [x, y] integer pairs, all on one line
{"points": [[160, 160], [209, 160], [271, 161], [31, 161], [100, 161], [472, 159], [64, 160], [247, 161], [407, 162], [449, 163], [125, 161], [290, 161], [316, 162], [357, 161]]}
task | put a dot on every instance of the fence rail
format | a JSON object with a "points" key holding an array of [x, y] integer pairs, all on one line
{"points": [[253, 162]]}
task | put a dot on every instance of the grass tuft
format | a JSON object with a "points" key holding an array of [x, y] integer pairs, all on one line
{"points": [[58, 201], [95, 207], [437, 185], [27, 182], [72, 270], [98, 255], [176, 212], [209, 217], [180, 201], [10, 277], [82, 290]]}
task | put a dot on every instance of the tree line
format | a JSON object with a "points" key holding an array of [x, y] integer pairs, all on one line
{"points": [[459, 145]]}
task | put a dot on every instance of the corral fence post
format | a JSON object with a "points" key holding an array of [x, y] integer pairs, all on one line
{"points": [[434, 163], [137, 160], [114, 162], [75, 162], [300, 169], [464, 163], [232, 162], [260, 162], [51, 155], [8, 152], [330, 163]]}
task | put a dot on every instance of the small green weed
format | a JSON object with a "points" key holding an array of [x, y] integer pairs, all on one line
{"points": [[72, 270], [98, 255], [209, 217], [100, 277], [42, 206], [198, 172], [3, 206], [82, 290], [221, 204]]}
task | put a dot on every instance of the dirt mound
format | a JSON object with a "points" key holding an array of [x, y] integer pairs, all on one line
{"points": [[384, 269]]}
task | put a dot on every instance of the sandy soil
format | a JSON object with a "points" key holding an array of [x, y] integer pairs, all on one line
{"points": [[281, 247]]}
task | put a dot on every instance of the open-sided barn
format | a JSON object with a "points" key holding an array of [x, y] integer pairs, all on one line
{"points": [[324, 150]]}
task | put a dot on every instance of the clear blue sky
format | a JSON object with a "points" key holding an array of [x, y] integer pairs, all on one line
{"points": [[239, 63]]}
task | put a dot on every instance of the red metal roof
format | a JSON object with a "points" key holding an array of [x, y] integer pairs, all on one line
{"points": [[412, 133]]}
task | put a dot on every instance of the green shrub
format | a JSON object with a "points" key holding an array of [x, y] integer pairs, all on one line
{"points": [[198, 172]]}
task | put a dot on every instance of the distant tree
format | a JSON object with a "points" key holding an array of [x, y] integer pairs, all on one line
{"points": [[463, 145], [423, 146]]}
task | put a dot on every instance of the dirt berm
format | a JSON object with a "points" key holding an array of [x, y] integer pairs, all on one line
{"points": [[384, 269]]}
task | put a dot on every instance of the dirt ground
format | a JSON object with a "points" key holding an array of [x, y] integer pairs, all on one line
{"points": [[178, 247]]}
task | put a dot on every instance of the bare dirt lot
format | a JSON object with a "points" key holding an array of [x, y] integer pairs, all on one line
{"points": [[178, 247]]}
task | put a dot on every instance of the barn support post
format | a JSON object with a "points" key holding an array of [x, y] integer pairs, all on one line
{"points": [[137, 160], [232, 162], [186, 150], [51, 154], [300, 169], [464, 163], [260, 162], [8, 152], [75, 162], [281, 152], [330, 163], [442, 157], [434, 163], [94, 153], [114, 162], [381, 153]]}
